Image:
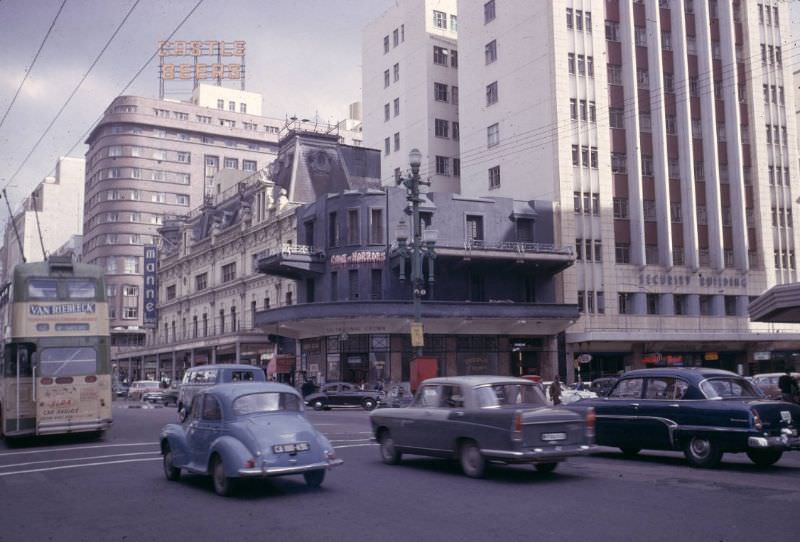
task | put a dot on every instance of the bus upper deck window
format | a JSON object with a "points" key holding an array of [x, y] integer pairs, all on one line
{"points": [[80, 289], [43, 289]]}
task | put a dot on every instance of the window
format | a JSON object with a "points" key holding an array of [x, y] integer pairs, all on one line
{"points": [[182, 199], [395, 37], [396, 70], [232, 106], [652, 303], [622, 253], [454, 58], [376, 284], [333, 230], [612, 31], [620, 207], [442, 165], [676, 212], [376, 226], [440, 92], [454, 90], [493, 135], [386, 112], [249, 165], [488, 12], [229, 272], [474, 225], [571, 63], [386, 78], [640, 36], [387, 146], [353, 230], [614, 74], [491, 93], [570, 22], [396, 106], [439, 19], [440, 56], [201, 282], [456, 131], [616, 118], [397, 141], [385, 44], [457, 167], [619, 162], [441, 128], [352, 282], [490, 52], [220, 104], [231, 163], [573, 109], [494, 177]]}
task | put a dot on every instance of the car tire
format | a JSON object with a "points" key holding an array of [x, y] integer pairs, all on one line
{"points": [[629, 451], [764, 458], [223, 485], [369, 404], [472, 461], [389, 453], [545, 468], [318, 404], [314, 478], [702, 452], [171, 472]]}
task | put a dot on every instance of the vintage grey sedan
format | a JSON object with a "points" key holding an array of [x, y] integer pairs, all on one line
{"points": [[480, 419], [240, 431]]}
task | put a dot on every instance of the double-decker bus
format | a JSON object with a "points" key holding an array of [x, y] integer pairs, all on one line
{"points": [[54, 362]]}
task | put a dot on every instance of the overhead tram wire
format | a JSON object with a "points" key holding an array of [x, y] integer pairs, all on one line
{"points": [[82, 138], [74, 91], [33, 63]]}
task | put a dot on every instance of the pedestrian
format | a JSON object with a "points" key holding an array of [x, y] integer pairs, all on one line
{"points": [[555, 391], [307, 388], [788, 387]]}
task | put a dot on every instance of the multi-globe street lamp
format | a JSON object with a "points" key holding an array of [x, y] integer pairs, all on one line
{"points": [[416, 247]]}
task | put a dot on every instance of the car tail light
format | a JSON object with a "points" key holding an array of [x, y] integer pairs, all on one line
{"points": [[46, 380], [90, 379], [516, 428], [757, 423], [591, 419], [250, 463]]}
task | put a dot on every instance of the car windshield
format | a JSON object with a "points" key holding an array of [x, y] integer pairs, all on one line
{"points": [[497, 395], [720, 388], [265, 402]]}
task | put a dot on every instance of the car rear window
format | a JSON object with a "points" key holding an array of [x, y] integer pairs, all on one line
{"points": [[497, 395], [720, 388], [254, 403]]}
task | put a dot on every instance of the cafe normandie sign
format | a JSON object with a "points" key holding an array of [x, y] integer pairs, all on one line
{"points": [[681, 279]]}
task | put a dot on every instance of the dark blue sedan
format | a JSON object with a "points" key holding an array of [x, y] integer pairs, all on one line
{"points": [[703, 412]]}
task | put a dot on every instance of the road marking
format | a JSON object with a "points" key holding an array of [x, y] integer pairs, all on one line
{"points": [[76, 459], [62, 467], [46, 450], [357, 445]]}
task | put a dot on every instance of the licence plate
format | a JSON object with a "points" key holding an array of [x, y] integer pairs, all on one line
{"points": [[290, 448], [549, 437]]}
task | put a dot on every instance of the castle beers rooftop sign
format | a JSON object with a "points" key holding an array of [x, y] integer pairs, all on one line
{"points": [[197, 70]]}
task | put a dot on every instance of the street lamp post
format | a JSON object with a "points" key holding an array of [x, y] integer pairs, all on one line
{"points": [[421, 246]]}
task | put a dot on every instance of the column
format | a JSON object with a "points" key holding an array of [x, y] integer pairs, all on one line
{"points": [[172, 378]]}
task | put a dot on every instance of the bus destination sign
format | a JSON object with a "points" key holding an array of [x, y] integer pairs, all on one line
{"points": [[62, 308]]}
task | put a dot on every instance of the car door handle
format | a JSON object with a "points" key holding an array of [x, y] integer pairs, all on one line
{"points": [[674, 405], [458, 413], [635, 405]]}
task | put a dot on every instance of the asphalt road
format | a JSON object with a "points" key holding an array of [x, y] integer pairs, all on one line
{"points": [[68, 489]]}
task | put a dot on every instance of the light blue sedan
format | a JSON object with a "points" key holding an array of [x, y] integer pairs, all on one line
{"points": [[240, 431]]}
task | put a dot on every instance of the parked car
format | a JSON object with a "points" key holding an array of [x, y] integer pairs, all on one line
{"points": [[602, 386], [768, 383], [164, 396], [477, 419], [703, 412], [255, 430], [568, 393], [120, 390], [336, 394], [201, 377], [139, 387]]}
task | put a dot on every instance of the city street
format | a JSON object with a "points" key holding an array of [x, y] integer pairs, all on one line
{"points": [[69, 489]]}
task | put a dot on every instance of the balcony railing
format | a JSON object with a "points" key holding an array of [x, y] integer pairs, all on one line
{"points": [[518, 247]]}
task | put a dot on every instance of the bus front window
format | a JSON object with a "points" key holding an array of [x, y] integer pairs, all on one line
{"points": [[80, 289], [43, 288], [68, 361]]}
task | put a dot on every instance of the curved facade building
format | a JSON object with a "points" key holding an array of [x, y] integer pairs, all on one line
{"points": [[148, 159]]}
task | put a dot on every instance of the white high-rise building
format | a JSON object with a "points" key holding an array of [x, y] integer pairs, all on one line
{"points": [[410, 90], [57, 204], [664, 130]]}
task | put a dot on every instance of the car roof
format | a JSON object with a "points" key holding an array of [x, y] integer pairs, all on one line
{"points": [[476, 380], [234, 390], [225, 366], [691, 373], [771, 375]]}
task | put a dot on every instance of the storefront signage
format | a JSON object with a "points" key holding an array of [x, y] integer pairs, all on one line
{"points": [[675, 279], [197, 71], [150, 291], [359, 257], [762, 356], [711, 356], [417, 335]]}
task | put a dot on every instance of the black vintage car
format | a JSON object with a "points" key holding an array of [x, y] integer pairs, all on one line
{"points": [[703, 412], [336, 394]]}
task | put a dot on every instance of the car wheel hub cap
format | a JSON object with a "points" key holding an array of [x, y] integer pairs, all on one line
{"points": [[700, 447]]}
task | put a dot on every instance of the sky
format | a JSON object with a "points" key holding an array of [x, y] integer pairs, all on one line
{"points": [[303, 56]]}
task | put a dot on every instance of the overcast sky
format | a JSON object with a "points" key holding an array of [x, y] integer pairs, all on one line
{"points": [[304, 56]]}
